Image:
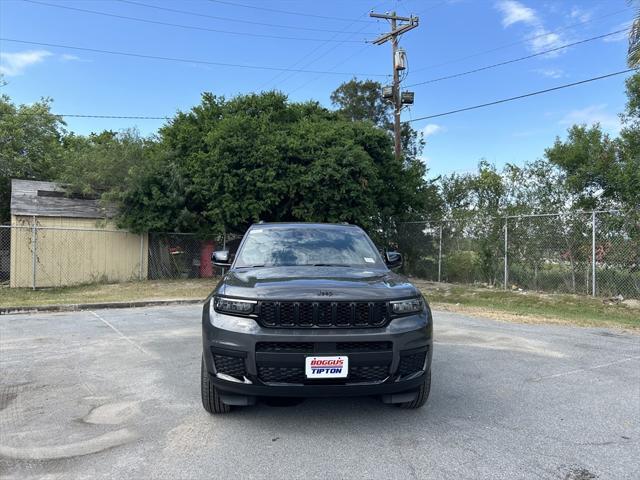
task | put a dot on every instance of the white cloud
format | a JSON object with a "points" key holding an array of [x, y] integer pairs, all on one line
{"points": [[593, 114], [542, 40], [538, 37], [579, 14], [551, 72], [69, 58], [432, 129], [514, 12], [14, 63]]}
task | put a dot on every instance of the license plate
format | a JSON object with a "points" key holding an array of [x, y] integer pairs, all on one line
{"points": [[327, 367]]}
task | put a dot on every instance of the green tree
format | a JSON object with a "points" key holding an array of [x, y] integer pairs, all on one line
{"points": [[603, 169], [30, 145], [228, 163], [633, 58], [101, 163], [362, 100]]}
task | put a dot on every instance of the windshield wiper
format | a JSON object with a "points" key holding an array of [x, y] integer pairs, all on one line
{"points": [[326, 265]]}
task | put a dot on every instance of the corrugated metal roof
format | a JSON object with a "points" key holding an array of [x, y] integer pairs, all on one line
{"points": [[30, 197]]}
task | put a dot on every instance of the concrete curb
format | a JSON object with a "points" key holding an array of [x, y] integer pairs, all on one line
{"points": [[96, 306]]}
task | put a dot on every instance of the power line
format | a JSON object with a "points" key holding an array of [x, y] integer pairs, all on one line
{"points": [[451, 112], [322, 55], [530, 94], [235, 20], [518, 42], [399, 25], [179, 25], [307, 82], [286, 12], [184, 60], [77, 115], [317, 48], [507, 62], [426, 117]]}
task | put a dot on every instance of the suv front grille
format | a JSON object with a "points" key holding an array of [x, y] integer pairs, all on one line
{"points": [[357, 374], [343, 347], [322, 314], [281, 374], [294, 347], [323, 347], [283, 362], [369, 373]]}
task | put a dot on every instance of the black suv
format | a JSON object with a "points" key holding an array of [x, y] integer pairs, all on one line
{"points": [[311, 310]]}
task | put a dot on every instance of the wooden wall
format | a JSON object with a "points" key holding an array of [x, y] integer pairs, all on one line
{"points": [[101, 253]]}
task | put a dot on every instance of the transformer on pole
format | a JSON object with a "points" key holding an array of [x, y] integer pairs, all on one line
{"points": [[399, 25]]}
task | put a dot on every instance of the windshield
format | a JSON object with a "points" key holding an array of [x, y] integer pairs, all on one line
{"points": [[295, 246]]}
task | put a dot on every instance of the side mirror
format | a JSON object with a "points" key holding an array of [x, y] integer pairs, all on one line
{"points": [[221, 258], [393, 259]]}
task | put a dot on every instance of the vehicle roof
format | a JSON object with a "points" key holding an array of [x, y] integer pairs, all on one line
{"points": [[302, 225]]}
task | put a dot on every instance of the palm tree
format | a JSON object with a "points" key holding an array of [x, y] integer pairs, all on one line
{"points": [[633, 58]]}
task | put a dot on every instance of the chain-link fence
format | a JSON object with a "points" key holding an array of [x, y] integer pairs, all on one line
{"points": [[185, 255], [36, 256], [595, 253], [549, 252]]}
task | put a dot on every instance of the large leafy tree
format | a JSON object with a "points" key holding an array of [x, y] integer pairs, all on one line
{"points": [[101, 163], [228, 163], [362, 100], [599, 168], [30, 146], [627, 176]]}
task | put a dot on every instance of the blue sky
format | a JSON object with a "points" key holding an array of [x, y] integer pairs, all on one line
{"points": [[453, 36]]}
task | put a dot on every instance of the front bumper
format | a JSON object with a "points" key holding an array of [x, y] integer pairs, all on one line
{"points": [[245, 359]]}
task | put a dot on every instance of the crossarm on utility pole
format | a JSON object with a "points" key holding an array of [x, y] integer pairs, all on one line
{"points": [[393, 35]]}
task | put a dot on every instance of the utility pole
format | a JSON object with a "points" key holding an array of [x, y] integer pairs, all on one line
{"points": [[399, 63]]}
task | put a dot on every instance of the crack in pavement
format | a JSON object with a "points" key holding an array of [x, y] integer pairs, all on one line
{"points": [[585, 369]]}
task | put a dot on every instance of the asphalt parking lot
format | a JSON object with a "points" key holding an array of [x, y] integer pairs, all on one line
{"points": [[115, 394]]}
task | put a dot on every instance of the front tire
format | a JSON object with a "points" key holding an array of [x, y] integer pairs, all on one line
{"points": [[210, 399], [423, 394]]}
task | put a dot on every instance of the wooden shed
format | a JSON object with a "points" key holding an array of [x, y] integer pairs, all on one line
{"points": [[59, 239]]}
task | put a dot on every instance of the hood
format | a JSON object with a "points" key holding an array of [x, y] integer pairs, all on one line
{"points": [[315, 283]]}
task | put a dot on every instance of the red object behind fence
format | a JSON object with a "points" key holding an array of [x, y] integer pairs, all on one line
{"points": [[206, 267]]}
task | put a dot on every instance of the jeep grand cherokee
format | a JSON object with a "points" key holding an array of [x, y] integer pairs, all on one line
{"points": [[313, 310]]}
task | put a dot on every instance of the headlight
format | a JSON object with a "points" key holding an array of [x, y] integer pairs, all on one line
{"points": [[233, 306], [403, 307]]}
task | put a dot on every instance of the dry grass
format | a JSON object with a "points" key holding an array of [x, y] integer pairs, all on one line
{"points": [[117, 292], [521, 307], [530, 307]]}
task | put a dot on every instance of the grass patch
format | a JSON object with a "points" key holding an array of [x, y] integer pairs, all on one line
{"points": [[531, 307], [524, 307], [117, 292]]}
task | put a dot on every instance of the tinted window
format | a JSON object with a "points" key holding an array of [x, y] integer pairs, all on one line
{"points": [[289, 246]]}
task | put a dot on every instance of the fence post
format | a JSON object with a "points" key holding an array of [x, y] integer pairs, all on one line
{"points": [[34, 245], [141, 253], [224, 244], [440, 256], [506, 243], [593, 253]]}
